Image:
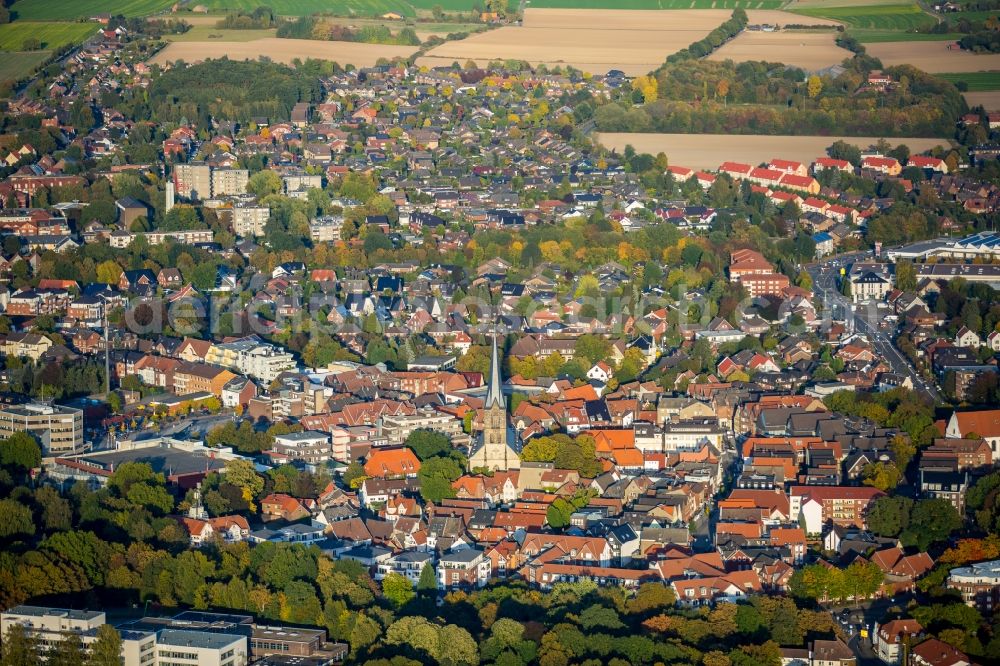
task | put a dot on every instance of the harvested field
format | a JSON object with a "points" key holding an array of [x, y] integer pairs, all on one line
{"points": [[708, 151], [933, 57], [809, 50], [282, 50], [596, 40], [591, 40], [989, 100]]}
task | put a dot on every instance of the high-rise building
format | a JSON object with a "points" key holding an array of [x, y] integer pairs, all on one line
{"points": [[496, 448], [193, 181], [250, 219], [229, 182]]}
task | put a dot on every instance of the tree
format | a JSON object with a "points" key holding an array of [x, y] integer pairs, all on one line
{"points": [[427, 585], [15, 519], [264, 183], [20, 648], [889, 516], [429, 443], [814, 86], [651, 596], [398, 589], [106, 650], [906, 275], [436, 476], [456, 646], [20, 451], [242, 474], [108, 272], [931, 521], [67, 652]]}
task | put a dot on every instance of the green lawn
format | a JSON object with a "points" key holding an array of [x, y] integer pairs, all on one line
{"points": [[49, 10], [16, 66], [52, 35], [872, 36], [898, 18], [978, 81], [657, 4]]}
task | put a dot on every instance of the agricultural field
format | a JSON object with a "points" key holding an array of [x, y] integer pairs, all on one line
{"points": [[977, 81], [201, 33], [656, 4], [933, 57], [876, 36], [307, 7], [15, 66], [51, 35], [708, 151], [282, 50], [50, 10], [809, 50], [591, 40], [989, 100], [881, 18]]}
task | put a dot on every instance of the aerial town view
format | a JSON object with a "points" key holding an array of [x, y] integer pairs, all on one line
{"points": [[473, 332]]}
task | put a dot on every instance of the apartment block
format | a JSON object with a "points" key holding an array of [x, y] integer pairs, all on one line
{"points": [[229, 182], [250, 220]]}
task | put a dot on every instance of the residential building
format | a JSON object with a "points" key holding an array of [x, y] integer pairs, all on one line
{"points": [[892, 637], [250, 219], [979, 585], [463, 568], [309, 446], [193, 180], [229, 182]]}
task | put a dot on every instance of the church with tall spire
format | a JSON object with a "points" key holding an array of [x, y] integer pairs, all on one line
{"points": [[496, 447]]}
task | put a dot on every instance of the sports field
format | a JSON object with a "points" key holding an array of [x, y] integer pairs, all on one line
{"points": [[15, 66], [51, 35], [51, 10]]}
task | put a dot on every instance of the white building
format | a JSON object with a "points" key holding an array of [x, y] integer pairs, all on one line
{"points": [[409, 563], [326, 229], [310, 446], [178, 647]]}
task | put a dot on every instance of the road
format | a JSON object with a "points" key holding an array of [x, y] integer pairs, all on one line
{"points": [[866, 320], [865, 615]]}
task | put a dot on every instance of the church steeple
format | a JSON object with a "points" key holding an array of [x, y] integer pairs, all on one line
{"points": [[494, 393], [495, 448]]}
